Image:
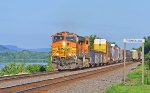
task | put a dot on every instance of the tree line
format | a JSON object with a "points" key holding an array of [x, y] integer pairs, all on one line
{"points": [[23, 56], [147, 50]]}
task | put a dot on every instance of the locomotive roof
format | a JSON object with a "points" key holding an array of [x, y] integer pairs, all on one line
{"points": [[68, 33]]}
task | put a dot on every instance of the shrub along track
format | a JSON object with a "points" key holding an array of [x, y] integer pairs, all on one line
{"points": [[50, 84]]}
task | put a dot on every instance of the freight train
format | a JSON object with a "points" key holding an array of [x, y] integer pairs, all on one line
{"points": [[71, 51]]}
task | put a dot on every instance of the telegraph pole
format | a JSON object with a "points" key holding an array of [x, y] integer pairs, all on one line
{"points": [[124, 68], [143, 63]]}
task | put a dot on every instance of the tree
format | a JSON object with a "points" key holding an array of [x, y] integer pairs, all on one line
{"points": [[146, 45], [92, 37], [114, 43], [147, 58], [50, 65], [147, 50]]}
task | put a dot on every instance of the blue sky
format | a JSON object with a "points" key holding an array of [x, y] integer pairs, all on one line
{"points": [[30, 23]]}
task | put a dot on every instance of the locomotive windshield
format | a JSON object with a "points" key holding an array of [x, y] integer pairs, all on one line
{"points": [[57, 38], [71, 38]]}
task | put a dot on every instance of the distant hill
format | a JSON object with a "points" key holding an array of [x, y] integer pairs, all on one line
{"points": [[12, 47], [2, 48], [15, 48], [9, 53]]}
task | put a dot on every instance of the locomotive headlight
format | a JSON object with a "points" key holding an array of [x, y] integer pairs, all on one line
{"points": [[57, 54], [63, 43], [69, 54]]}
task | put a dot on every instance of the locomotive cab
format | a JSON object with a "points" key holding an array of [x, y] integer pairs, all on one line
{"points": [[64, 45]]}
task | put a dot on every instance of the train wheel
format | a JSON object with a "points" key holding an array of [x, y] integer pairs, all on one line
{"points": [[59, 70], [93, 65], [97, 65], [107, 63], [90, 65]]}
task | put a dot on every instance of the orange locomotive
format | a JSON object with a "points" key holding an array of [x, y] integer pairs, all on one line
{"points": [[69, 50]]}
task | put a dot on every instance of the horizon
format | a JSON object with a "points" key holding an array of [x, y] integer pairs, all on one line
{"points": [[30, 24]]}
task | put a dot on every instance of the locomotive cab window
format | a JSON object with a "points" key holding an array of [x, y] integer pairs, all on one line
{"points": [[58, 38], [71, 38]]}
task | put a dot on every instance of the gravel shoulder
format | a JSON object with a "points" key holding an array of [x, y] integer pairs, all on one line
{"points": [[98, 84]]}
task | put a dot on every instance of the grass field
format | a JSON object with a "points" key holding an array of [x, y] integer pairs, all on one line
{"points": [[133, 83], [129, 89]]}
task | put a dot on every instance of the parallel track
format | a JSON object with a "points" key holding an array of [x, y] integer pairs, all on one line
{"points": [[23, 76], [50, 84]]}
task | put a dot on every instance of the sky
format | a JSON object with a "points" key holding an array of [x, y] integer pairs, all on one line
{"points": [[31, 23]]}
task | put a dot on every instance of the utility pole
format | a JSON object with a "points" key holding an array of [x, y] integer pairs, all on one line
{"points": [[124, 68], [143, 63]]}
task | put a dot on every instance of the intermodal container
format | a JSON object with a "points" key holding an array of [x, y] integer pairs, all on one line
{"points": [[134, 54], [128, 55], [104, 45], [97, 44], [121, 54]]}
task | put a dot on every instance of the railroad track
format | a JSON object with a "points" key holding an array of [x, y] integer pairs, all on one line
{"points": [[23, 76], [50, 84]]}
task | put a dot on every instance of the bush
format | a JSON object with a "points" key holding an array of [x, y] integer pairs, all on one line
{"points": [[49, 67], [35, 68], [147, 80], [43, 68], [13, 68], [147, 60]]}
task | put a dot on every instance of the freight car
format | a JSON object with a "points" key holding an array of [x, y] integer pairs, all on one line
{"points": [[128, 55], [114, 53], [121, 55], [71, 51], [103, 46], [136, 55], [139, 56]]}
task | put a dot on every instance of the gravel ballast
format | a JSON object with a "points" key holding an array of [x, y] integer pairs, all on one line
{"points": [[98, 84]]}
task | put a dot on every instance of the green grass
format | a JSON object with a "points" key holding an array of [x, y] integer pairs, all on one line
{"points": [[129, 89], [133, 83], [136, 73]]}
